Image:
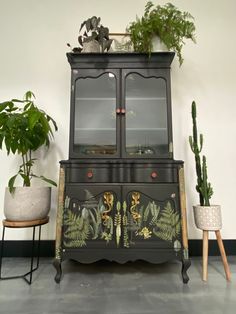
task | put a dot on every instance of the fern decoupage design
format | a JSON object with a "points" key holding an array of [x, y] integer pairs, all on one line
{"points": [[89, 220], [153, 220]]}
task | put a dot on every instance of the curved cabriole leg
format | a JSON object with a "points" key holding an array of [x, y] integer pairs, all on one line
{"points": [[57, 265], [185, 266]]}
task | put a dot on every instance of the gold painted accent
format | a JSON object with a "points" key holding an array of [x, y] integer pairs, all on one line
{"points": [[134, 203], [145, 233], [58, 253], [183, 208], [60, 209], [185, 253], [117, 223], [125, 226], [108, 200]]}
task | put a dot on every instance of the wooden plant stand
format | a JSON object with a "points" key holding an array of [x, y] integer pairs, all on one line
{"points": [[222, 252]]}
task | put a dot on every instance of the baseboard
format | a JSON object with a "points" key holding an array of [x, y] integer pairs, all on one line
{"points": [[23, 248]]}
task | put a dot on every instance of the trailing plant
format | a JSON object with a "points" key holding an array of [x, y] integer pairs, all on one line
{"points": [[92, 30], [168, 23], [24, 130], [203, 187]]}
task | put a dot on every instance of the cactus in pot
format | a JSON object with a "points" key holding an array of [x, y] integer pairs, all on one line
{"points": [[203, 187], [207, 217]]}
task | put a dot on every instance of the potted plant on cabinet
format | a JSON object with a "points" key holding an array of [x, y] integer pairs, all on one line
{"points": [[24, 130], [207, 217], [164, 23], [93, 37]]}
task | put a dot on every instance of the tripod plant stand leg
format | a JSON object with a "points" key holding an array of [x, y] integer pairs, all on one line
{"points": [[223, 255], [205, 255]]}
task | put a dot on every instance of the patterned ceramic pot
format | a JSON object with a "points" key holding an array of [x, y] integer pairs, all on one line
{"points": [[27, 203], [208, 217]]}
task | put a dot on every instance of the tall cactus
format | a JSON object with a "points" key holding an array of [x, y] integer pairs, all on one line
{"points": [[203, 187]]}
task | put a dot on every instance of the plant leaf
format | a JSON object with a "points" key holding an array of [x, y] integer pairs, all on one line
{"points": [[48, 180], [33, 118], [11, 183]]}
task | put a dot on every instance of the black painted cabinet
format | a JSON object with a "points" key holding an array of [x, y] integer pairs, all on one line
{"points": [[121, 193]]}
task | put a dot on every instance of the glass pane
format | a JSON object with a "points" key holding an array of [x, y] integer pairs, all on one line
{"points": [[146, 116], [95, 118]]}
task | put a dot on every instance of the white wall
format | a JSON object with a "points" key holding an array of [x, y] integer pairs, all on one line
{"points": [[33, 38]]}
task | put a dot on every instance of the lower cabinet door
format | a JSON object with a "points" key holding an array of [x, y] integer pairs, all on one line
{"points": [[151, 216], [92, 216]]}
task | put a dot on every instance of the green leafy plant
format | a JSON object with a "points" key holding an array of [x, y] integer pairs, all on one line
{"points": [[168, 225], [23, 130], [92, 30], [168, 23], [77, 229], [203, 187]]}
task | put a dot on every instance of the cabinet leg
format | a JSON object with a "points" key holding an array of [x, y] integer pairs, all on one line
{"points": [[223, 255], [185, 266], [57, 265], [205, 255]]}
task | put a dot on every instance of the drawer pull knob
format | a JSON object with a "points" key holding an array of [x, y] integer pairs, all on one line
{"points": [[118, 110], [90, 174], [154, 175]]}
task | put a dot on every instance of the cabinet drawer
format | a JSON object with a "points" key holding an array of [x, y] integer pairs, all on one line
{"points": [[153, 174], [122, 174], [91, 174]]}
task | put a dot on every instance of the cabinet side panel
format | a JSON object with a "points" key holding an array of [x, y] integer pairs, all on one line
{"points": [[60, 213], [183, 208]]}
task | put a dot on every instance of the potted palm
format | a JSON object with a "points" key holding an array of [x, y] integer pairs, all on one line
{"points": [[24, 129], [164, 23]]}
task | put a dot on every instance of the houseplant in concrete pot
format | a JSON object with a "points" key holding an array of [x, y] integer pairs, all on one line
{"points": [[24, 129], [207, 217], [93, 36], [165, 22]]}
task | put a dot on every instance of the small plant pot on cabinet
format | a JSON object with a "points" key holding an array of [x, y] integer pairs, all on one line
{"points": [[27, 203], [208, 217], [158, 45], [91, 46]]}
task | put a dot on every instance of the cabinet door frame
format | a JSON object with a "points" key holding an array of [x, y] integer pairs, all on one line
{"points": [[90, 73], [74, 192], [169, 193], [163, 73]]}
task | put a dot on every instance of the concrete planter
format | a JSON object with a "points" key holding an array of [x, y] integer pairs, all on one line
{"points": [[27, 203], [91, 46], [208, 217]]}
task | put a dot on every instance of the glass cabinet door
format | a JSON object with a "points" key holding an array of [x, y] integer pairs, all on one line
{"points": [[146, 122], [95, 120]]}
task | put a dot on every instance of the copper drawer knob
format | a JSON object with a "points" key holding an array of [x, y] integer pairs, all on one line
{"points": [[123, 111], [118, 110], [90, 174], [154, 175]]}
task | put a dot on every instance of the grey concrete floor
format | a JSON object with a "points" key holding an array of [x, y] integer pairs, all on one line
{"points": [[110, 288]]}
